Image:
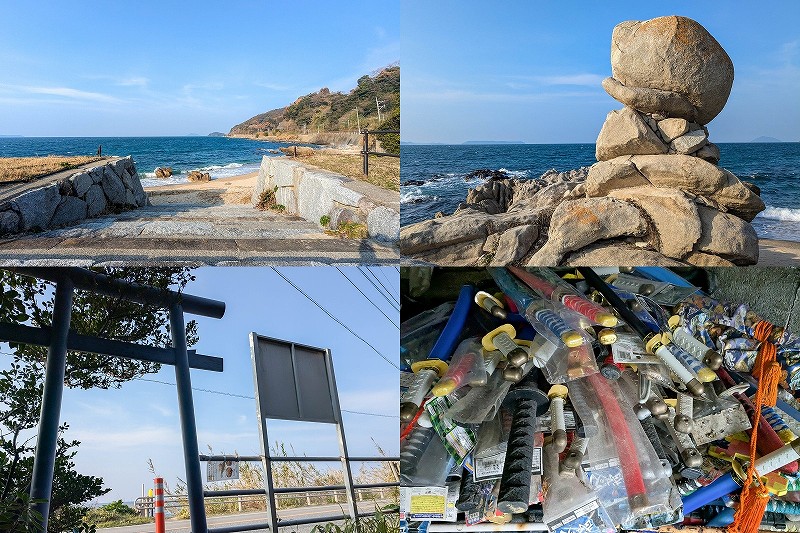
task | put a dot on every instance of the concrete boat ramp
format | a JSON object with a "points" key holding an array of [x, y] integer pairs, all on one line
{"points": [[212, 223]]}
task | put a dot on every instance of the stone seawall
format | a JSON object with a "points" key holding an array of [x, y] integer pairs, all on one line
{"points": [[314, 193], [71, 196]]}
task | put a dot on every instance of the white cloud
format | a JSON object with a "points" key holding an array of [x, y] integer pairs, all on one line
{"points": [[379, 401], [64, 92], [68, 92], [273, 86], [136, 81], [144, 436], [160, 409]]}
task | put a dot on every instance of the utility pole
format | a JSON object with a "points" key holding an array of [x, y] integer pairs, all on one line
{"points": [[380, 104], [358, 120]]}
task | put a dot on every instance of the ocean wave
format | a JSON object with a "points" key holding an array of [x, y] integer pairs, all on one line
{"points": [[780, 213], [218, 167], [415, 197], [516, 173]]}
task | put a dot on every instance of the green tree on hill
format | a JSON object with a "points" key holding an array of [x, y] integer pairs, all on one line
{"points": [[391, 141], [30, 301]]}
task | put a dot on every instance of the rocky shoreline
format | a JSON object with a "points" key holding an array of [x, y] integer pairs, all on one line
{"points": [[656, 194]]}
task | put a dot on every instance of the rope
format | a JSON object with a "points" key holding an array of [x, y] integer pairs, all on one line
{"points": [[754, 498]]}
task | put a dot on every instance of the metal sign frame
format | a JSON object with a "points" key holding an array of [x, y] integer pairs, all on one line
{"points": [[267, 460], [59, 339]]}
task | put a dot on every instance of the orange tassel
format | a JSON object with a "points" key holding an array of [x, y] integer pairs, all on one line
{"points": [[754, 498]]}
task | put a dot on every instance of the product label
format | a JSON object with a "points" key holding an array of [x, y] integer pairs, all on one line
{"points": [[629, 348], [490, 467], [536, 467], [579, 520], [424, 503], [458, 440]]}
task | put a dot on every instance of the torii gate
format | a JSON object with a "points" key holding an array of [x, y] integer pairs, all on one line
{"points": [[58, 338]]}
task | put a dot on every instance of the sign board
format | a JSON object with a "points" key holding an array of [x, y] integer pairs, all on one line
{"points": [[293, 381], [223, 470]]}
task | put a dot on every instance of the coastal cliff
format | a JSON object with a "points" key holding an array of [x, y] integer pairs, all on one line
{"points": [[329, 117]]}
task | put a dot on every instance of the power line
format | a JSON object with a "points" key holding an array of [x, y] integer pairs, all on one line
{"points": [[345, 326], [367, 297], [223, 393], [385, 288], [391, 302], [388, 281]]}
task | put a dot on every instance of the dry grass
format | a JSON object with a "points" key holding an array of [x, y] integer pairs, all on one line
{"points": [[383, 171], [14, 169]]}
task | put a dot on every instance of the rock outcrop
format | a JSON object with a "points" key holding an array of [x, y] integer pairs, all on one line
{"points": [[196, 175], [656, 194], [163, 172]]}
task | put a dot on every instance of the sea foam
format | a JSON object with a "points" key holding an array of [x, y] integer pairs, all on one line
{"points": [[780, 213]]}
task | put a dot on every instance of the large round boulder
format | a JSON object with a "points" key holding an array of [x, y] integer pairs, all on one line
{"points": [[673, 54]]}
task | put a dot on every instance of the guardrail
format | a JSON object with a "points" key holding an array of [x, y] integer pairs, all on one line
{"points": [[239, 503], [365, 152], [241, 497]]}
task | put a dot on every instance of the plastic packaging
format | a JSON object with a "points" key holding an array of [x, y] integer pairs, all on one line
{"points": [[419, 333], [467, 367], [550, 286], [480, 403], [424, 461], [620, 460], [538, 311], [570, 504]]}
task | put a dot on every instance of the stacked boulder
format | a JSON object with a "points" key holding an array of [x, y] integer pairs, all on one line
{"points": [[656, 194], [654, 156]]}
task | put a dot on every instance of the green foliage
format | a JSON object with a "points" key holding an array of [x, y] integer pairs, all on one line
{"points": [[391, 141], [267, 200], [385, 520], [324, 220], [24, 299], [332, 111], [119, 508], [350, 230], [114, 514]]}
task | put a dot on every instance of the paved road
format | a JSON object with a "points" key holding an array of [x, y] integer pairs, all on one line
{"points": [[183, 526], [206, 226]]}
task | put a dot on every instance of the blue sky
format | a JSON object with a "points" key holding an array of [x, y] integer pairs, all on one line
{"points": [[531, 71], [95, 68], [121, 429]]}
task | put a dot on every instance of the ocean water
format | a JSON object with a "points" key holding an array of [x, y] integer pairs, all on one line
{"points": [[221, 157], [774, 167]]}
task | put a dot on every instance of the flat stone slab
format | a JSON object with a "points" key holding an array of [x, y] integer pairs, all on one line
{"points": [[184, 233]]}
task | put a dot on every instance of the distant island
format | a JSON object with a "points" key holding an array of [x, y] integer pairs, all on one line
{"points": [[216, 134], [493, 142], [764, 139]]}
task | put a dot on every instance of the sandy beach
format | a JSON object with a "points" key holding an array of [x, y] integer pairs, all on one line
{"points": [[223, 191], [778, 253]]}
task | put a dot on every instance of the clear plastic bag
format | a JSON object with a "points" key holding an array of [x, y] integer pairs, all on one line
{"points": [[418, 334], [620, 461], [481, 403], [569, 504], [467, 367]]}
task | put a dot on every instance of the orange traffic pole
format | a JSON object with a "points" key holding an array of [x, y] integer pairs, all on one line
{"points": [[158, 505]]}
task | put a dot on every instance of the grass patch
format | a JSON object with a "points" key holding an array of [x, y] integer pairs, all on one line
{"points": [[350, 230], [267, 201], [16, 169], [113, 515], [383, 171], [385, 520]]}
